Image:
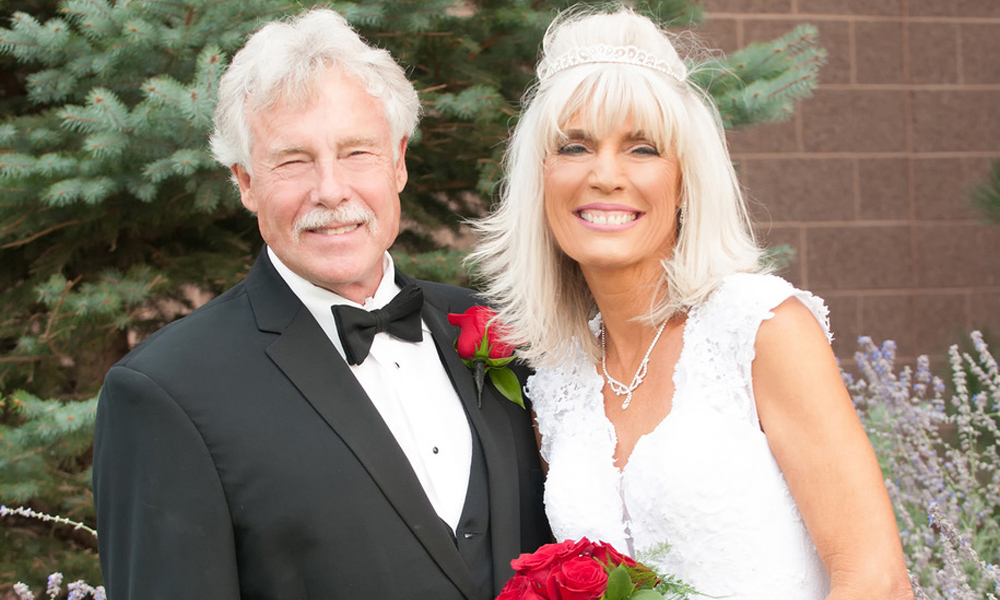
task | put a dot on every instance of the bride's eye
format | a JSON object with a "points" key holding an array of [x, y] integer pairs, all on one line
{"points": [[571, 149], [646, 150]]}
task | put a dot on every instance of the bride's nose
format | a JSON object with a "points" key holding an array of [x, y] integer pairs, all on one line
{"points": [[606, 171]]}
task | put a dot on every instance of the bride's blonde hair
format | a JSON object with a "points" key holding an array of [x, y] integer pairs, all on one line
{"points": [[540, 293]]}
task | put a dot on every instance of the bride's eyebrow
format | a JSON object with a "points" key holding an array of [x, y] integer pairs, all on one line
{"points": [[578, 135], [639, 136]]}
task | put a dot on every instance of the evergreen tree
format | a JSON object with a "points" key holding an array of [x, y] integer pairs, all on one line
{"points": [[985, 195], [113, 215]]}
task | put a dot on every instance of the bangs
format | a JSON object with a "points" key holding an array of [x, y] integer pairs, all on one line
{"points": [[607, 98]]}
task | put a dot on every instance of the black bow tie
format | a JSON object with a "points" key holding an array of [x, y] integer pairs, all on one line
{"points": [[400, 318]]}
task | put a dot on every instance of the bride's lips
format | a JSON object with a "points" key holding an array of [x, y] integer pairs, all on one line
{"points": [[608, 217]]}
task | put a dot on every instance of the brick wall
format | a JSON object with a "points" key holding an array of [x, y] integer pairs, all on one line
{"points": [[869, 181]]}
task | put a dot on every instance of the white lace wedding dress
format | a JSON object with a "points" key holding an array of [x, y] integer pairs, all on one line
{"points": [[704, 480]]}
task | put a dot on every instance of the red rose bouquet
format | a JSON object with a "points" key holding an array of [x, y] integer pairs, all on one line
{"points": [[584, 570], [481, 349]]}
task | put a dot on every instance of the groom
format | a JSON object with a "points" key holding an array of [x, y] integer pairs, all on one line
{"points": [[271, 444]]}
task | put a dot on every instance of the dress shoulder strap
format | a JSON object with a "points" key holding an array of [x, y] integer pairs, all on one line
{"points": [[724, 328], [749, 299]]}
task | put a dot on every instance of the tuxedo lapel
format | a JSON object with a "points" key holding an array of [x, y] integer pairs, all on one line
{"points": [[493, 427], [319, 372]]}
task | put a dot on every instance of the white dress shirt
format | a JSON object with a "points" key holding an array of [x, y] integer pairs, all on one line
{"points": [[411, 390]]}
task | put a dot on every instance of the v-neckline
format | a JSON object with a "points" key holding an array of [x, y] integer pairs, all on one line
{"points": [[614, 431]]}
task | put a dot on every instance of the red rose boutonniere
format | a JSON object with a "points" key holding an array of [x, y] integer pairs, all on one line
{"points": [[480, 349]]}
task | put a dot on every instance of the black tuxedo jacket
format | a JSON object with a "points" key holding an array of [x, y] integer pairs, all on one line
{"points": [[236, 456]]}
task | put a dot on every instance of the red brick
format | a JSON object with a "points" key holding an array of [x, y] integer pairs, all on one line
{"points": [[747, 6], [954, 8], [884, 188], [800, 189], [989, 252], [889, 318], [854, 121], [888, 8], [942, 187], [719, 34], [955, 255], [953, 120], [986, 318], [874, 257], [933, 53], [980, 49], [879, 50], [772, 137], [834, 36], [939, 320]]}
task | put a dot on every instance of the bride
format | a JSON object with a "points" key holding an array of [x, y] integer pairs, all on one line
{"points": [[689, 407]]}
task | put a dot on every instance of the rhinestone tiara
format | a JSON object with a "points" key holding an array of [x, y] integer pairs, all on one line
{"points": [[603, 53]]}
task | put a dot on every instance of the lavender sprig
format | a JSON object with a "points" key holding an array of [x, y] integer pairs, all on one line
{"points": [[22, 511], [939, 455]]}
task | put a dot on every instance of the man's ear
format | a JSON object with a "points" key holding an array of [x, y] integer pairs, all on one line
{"points": [[243, 181], [401, 174]]}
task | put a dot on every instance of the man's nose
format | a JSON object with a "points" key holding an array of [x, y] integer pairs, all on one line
{"points": [[332, 185]]}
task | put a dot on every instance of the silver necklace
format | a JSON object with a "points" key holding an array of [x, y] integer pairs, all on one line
{"points": [[619, 388]]}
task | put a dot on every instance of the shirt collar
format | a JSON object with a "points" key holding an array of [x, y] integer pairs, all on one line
{"points": [[319, 300]]}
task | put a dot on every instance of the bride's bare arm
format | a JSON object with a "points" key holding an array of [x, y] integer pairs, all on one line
{"points": [[817, 439]]}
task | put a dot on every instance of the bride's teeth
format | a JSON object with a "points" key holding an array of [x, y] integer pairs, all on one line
{"points": [[598, 217], [339, 230]]}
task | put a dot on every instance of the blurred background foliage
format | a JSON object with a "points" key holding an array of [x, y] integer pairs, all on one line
{"points": [[114, 219], [985, 194]]}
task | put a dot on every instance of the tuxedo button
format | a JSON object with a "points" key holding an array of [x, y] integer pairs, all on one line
{"points": [[435, 450]]}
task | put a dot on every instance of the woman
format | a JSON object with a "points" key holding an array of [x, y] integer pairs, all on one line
{"points": [[702, 407]]}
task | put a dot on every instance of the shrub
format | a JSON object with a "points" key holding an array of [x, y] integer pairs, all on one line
{"points": [[938, 452]]}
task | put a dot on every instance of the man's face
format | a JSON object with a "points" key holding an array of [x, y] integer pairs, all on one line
{"points": [[325, 185]]}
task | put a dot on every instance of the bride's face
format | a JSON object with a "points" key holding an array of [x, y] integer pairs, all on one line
{"points": [[611, 200]]}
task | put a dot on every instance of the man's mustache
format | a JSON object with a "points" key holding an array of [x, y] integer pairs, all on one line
{"points": [[345, 213]]}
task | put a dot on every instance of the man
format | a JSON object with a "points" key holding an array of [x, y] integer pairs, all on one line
{"points": [[247, 451]]}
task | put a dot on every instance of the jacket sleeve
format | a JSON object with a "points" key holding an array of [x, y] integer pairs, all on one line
{"points": [[163, 522]]}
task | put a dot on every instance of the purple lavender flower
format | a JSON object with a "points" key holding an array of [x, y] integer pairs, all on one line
{"points": [[939, 455], [53, 587], [23, 591]]}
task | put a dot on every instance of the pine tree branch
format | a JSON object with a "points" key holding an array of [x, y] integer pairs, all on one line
{"points": [[792, 84], [11, 226], [43, 233], [22, 359], [55, 311]]}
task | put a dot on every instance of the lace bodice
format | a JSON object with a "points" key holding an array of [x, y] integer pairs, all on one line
{"points": [[704, 480]]}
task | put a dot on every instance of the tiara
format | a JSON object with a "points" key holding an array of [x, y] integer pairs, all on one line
{"points": [[603, 53]]}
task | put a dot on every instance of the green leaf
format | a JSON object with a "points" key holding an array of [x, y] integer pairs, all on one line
{"points": [[500, 362], [646, 595], [483, 347], [507, 384], [619, 585]]}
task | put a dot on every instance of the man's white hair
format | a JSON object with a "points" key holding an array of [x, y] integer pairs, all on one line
{"points": [[283, 61], [540, 293]]}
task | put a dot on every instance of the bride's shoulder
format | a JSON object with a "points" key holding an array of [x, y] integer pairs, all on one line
{"points": [[757, 287], [751, 298]]}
